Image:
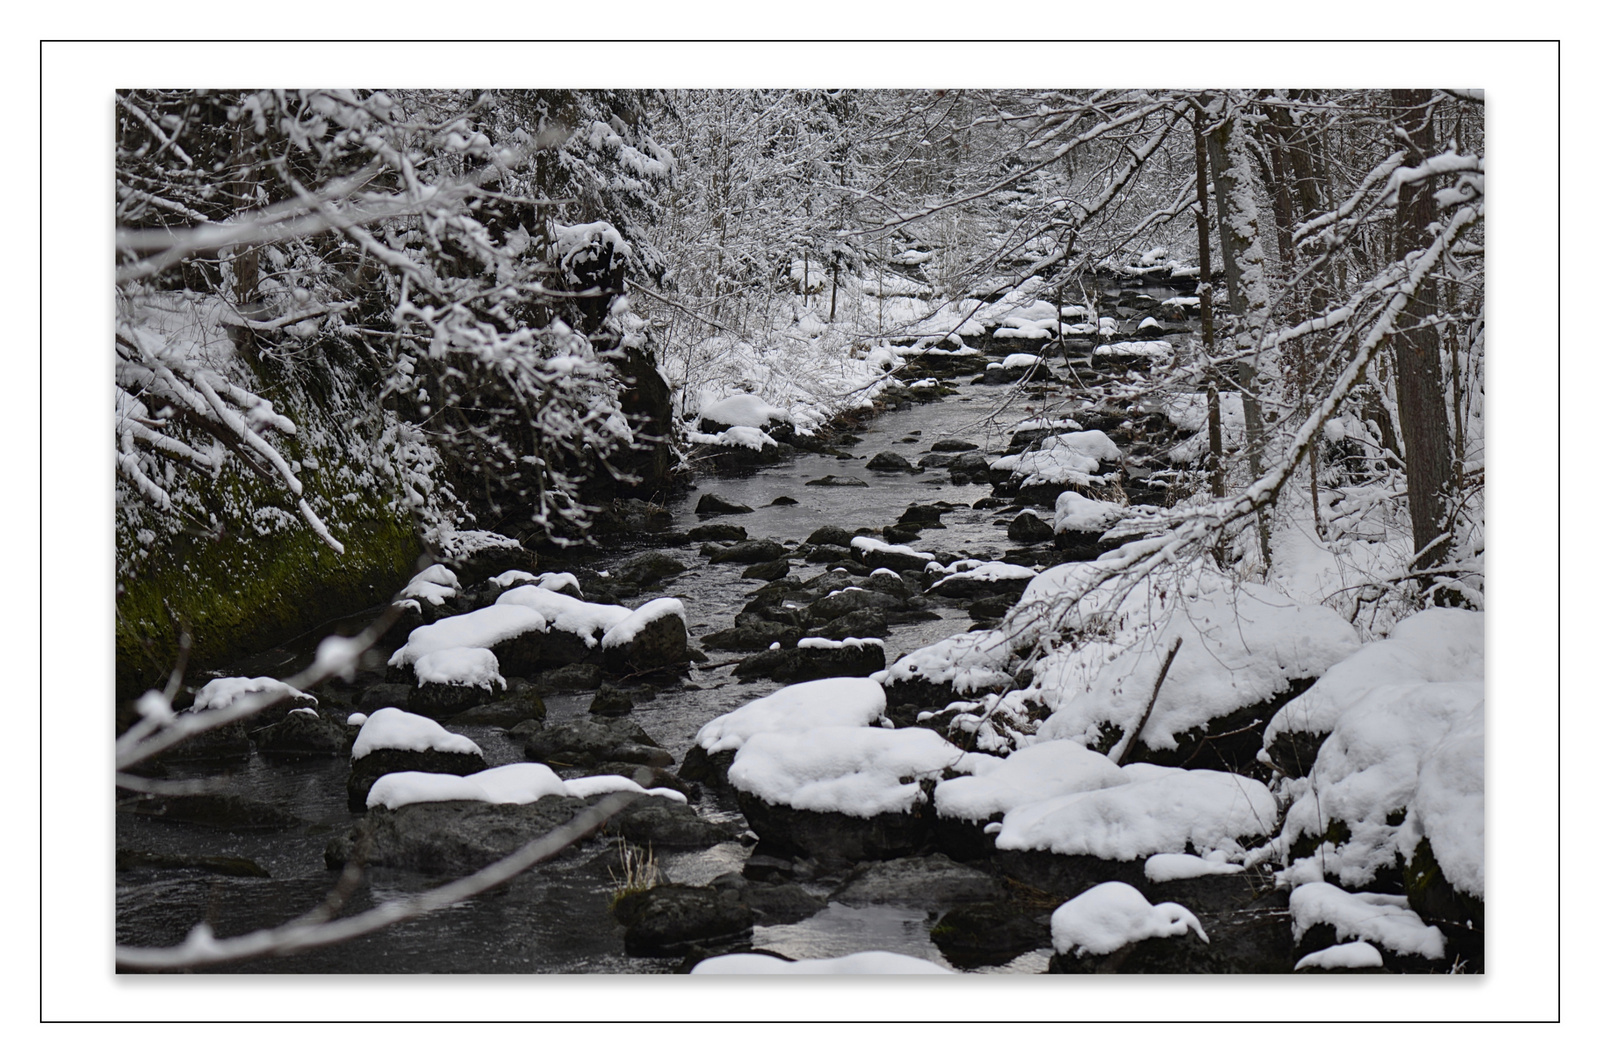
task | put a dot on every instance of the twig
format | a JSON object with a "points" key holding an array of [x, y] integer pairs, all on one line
{"points": [[1133, 736]]}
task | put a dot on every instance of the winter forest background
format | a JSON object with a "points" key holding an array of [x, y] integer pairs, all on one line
{"points": [[498, 381]]}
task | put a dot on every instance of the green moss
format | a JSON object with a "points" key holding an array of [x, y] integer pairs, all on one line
{"points": [[260, 576], [239, 593]]}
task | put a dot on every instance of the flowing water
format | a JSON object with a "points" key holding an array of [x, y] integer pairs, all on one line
{"points": [[555, 918]]}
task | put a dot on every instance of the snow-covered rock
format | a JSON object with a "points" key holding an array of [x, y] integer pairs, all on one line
{"points": [[516, 784], [1243, 646], [1159, 810], [1380, 919], [1353, 805], [1433, 646], [1112, 915]]}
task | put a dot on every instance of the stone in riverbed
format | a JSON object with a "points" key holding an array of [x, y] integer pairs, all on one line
{"points": [[749, 552], [772, 904], [767, 570], [220, 810], [990, 933], [815, 659], [716, 505], [784, 500], [836, 481], [302, 734], [953, 446], [661, 823], [648, 569], [1028, 528], [589, 740], [969, 468], [609, 701], [889, 461], [671, 920], [519, 703], [830, 535], [933, 882], [717, 533], [366, 770], [450, 837]]}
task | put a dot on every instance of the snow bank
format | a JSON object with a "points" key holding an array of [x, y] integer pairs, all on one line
{"points": [[1160, 810], [1103, 919], [483, 628], [749, 438], [510, 784], [1242, 645], [395, 729], [839, 702], [1369, 768], [1379, 918], [1035, 773], [221, 693], [860, 771], [1433, 646], [462, 666], [744, 411], [855, 963]]}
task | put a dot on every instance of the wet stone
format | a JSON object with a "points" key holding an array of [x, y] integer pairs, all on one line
{"points": [[766, 570], [717, 533], [889, 461], [715, 505]]}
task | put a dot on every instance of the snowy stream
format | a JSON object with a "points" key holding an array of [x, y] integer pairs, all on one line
{"points": [[555, 919]]}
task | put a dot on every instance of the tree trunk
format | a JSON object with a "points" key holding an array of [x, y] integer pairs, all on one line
{"points": [[1244, 264], [1207, 320], [1424, 422]]}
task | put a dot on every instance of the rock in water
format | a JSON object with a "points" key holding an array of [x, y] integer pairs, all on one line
{"points": [[1028, 528], [711, 505], [889, 461]]}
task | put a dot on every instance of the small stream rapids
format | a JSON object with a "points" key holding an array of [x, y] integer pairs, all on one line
{"points": [[555, 918]]}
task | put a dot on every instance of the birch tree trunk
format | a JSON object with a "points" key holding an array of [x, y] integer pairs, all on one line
{"points": [[1244, 263]]}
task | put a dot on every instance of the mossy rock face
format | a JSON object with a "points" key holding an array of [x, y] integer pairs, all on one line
{"points": [[257, 580]]}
